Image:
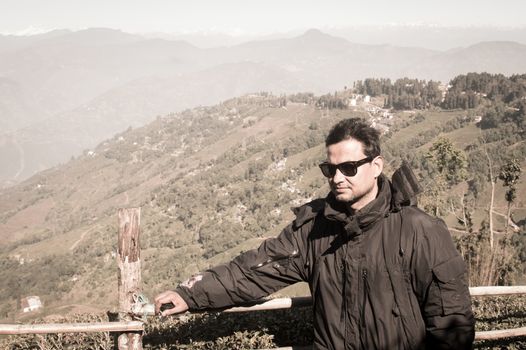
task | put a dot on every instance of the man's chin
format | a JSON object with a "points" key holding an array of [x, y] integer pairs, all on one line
{"points": [[343, 197]]}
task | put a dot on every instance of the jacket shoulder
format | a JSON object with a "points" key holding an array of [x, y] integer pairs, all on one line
{"points": [[417, 216], [307, 212], [430, 228]]}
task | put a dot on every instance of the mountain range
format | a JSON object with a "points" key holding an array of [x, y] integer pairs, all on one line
{"points": [[64, 92]]}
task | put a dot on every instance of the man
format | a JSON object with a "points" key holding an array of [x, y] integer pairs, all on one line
{"points": [[382, 273]]}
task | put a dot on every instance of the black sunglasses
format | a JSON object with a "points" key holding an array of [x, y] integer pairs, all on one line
{"points": [[347, 168]]}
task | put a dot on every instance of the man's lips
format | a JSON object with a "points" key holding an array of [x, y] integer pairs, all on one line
{"points": [[341, 189]]}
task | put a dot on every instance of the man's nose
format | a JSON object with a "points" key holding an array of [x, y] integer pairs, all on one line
{"points": [[338, 176]]}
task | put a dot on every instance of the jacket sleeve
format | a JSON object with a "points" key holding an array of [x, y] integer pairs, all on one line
{"points": [[440, 285], [278, 262]]}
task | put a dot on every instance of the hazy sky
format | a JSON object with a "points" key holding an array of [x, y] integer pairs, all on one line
{"points": [[252, 17]]}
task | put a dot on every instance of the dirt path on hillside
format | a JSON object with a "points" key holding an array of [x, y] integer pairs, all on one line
{"points": [[77, 242]]}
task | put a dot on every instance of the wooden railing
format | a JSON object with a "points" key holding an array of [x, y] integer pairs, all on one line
{"points": [[129, 284], [132, 326]]}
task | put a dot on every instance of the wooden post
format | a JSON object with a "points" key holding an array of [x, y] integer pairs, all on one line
{"points": [[129, 273]]}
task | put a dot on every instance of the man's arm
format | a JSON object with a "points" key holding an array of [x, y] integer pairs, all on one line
{"points": [[278, 262], [440, 284]]}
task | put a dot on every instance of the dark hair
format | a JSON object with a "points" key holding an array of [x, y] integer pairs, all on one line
{"points": [[358, 129]]}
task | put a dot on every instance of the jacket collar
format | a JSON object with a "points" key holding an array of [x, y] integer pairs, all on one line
{"points": [[356, 221]]}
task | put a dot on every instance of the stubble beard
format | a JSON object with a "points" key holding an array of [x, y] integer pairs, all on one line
{"points": [[345, 197], [350, 197]]}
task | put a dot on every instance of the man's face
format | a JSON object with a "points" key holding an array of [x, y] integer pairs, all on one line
{"points": [[360, 189]]}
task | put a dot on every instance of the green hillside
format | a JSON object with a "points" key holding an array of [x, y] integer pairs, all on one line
{"points": [[212, 182]]}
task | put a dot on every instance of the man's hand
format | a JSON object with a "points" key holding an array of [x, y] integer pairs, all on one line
{"points": [[170, 297]]}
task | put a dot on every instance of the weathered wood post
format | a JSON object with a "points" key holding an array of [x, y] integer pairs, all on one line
{"points": [[129, 273]]}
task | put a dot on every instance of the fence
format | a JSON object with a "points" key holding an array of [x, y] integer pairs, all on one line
{"points": [[131, 332]]}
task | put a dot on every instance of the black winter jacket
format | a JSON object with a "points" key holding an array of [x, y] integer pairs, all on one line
{"points": [[387, 277]]}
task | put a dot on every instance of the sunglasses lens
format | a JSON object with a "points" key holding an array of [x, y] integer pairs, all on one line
{"points": [[348, 169], [328, 170]]}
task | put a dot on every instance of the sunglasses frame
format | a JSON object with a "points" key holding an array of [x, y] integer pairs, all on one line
{"points": [[329, 170]]}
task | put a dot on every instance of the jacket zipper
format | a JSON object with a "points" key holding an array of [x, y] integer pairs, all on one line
{"points": [[363, 326], [364, 285], [344, 292]]}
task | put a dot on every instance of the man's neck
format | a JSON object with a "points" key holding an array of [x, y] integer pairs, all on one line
{"points": [[364, 200]]}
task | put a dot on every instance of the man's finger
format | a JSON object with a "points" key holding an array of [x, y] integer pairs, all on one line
{"points": [[174, 310]]}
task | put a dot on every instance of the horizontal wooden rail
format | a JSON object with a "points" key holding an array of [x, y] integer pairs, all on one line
{"points": [[501, 290], [499, 334], [287, 303], [131, 326], [274, 304]]}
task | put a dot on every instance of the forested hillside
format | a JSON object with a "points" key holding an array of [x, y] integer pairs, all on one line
{"points": [[214, 181], [210, 181]]}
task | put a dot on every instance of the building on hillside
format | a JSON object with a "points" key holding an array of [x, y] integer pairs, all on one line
{"points": [[382, 128], [31, 303], [18, 258]]}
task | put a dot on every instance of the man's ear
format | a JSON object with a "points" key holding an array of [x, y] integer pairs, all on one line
{"points": [[378, 165]]}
